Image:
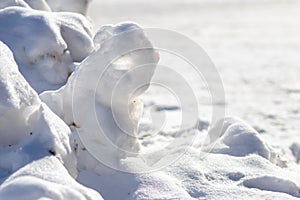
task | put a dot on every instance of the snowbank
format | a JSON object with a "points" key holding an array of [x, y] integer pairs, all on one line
{"points": [[35, 151], [45, 45], [36, 130], [94, 82], [18, 102]]}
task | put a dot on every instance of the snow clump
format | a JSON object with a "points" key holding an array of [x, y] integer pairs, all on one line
{"points": [[45, 45]]}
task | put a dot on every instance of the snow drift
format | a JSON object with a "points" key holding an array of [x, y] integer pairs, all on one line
{"points": [[30, 131]]}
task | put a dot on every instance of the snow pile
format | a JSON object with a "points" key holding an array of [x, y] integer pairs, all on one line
{"points": [[45, 45], [36, 134], [271, 183], [35, 126], [114, 74], [44, 178], [18, 103], [237, 138]]}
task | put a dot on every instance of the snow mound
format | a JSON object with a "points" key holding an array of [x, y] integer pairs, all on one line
{"points": [[44, 178], [36, 159], [36, 131], [18, 102], [274, 184], [45, 44], [237, 138], [108, 70]]}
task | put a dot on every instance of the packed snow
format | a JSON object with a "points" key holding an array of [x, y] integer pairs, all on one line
{"points": [[61, 79]]}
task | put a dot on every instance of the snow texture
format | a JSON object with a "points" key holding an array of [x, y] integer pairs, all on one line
{"points": [[79, 6], [26, 31], [44, 178], [237, 138], [111, 42], [8, 3], [36, 133], [38, 4], [35, 127], [42, 155]]}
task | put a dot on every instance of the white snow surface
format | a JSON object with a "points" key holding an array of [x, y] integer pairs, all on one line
{"points": [[30, 131], [45, 44], [8, 3], [41, 152], [79, 6], [44, 178], [67, 101]]}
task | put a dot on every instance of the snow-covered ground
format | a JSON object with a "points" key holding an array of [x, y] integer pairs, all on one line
{"points": [[54, 149], [254, 44]]}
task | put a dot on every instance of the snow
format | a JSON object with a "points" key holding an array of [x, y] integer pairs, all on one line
{"points": [[239, 139], [36, 130], [8, 3], [271, 183], [66, 102], [36, 134], [51, 146], [19, 102], [68, 39], [295, 148], [44, 178], [79, 6], [38, 5]]}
